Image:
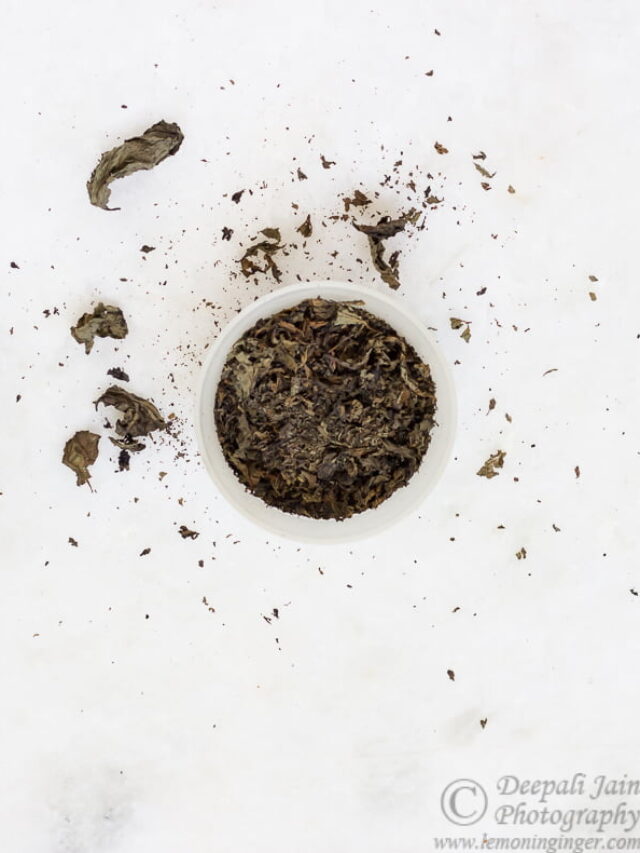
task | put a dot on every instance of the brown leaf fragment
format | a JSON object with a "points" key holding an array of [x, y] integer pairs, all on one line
{"points": [[495, 461], [484, 172], [492, 405], [577, 471], [226, 233], [483, 722], [479, 156], [235, 198], [145, 551], [267, 248], [306, 228], [440, 148], [123, 460], [118, 373], [14, 265], [551, 370], [592, 296], [556, 528], [146, 249], [451, 674], [139, 416], [186, 533], [485, 186], [128, 444], [358, 199], [466, 334], [521, 554], [80, 452], [301, 175], [73, 542], [105, 321], [481, 292], [386, 228], [508, 417], [456, 322], [158, 142], [327, 164], [593, 278], [510, 189]]}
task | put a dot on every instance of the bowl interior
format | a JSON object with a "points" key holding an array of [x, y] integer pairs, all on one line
{"points": [[404, 500]]}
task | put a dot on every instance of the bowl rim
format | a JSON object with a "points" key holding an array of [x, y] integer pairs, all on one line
{"points": [[341, 533]]}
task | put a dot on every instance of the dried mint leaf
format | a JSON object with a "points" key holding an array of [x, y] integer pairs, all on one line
{"points": [[105, 321], [466, 334], [386, 228], [327, 164], [226, 233], [146, 249], [237, 196], [118, 373], [139, 416], [301, 175], [158, 142], [127, 443], [79, 452], [495, 461], [186, 533], [306, 228], [358, 199], [323, 410], [484, 172], [456, 322], [440, 148], [267, 248]]}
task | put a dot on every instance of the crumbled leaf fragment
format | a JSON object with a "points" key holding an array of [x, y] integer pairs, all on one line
{"points": [[105, 321], [521, 554], [358, 199], [127, 443], [123, 460], [235, 197], [14, 265], [479, 156], [301, 175], [592, 296], [306, 228], [384, 229], [139, 416], [492, 404], [267, 248], [483, 722], [145, 551], [495, 461], [440, 148], [508, 417], [466, 334], [146, 249], [80, 452], [577, 471], [118, 373], [593, 278], [551, 370], [226, 233], [186, 533], [510, 189], [451, 674], [484, 172], [327, 164], [485, 186], [73, 542], [456, 322], [157, 143]]}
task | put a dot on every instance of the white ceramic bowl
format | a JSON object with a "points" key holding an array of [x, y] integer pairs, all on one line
{"points": [[403, 501]]}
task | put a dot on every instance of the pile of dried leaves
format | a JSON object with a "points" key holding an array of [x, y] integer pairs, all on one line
{"points": [[323, 410]]}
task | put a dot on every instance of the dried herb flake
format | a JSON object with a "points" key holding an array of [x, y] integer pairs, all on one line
{"points": [[105, 321], [139, 416], [80, 452], [495, 461]]}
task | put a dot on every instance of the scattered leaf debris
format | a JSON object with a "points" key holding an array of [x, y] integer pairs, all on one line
{"points": [[495, 461], [592, 296], [451, 674], [484, 172], [123, 460], [139, 416], [457, 323], [118, 373], [267, 248], [358, 199], [186, 533], [157, 143], [483, 722], [522, 553], [479, 156], [440, 148], [73, 542], [80, 452], [146, 249], [593, 278], [235, 197], [327, 164], [227, 233], [105, 321], [145, 551], [510, 189], [306, 228], [377, 234], [301, 175], [577, 471], [556, 528], [551, 370], [633, 591], [14, 265], [492, 405]]}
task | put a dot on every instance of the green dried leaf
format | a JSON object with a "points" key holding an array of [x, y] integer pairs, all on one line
{"points": [[495, 461], [466, 335], [105, 321], [79, 452], [484, 172], [157, 143], [267, 248], [306, 228], [139, 416], [456, 322], [272, 234], [386, 228]]}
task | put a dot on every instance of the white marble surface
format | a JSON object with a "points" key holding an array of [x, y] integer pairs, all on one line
{"points": [[334, 727]]}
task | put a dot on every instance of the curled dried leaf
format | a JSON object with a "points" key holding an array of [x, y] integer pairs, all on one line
{"points": [[440, 148], [301, 175], [484, 172], [306, 228], [384, 229], [105, 321], [79, 452], [358, 199], [267, 248], [495, 461], [186, 533], [157, 143], [139, 416]]}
